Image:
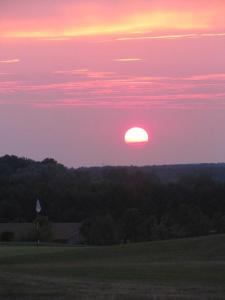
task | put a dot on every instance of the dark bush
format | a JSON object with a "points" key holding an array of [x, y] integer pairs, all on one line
{"points": [[7, 236]]}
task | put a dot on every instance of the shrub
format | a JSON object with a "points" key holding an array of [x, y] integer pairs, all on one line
{"points": [[7, 236]]}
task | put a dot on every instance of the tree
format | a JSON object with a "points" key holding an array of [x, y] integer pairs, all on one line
{"points": [[42, 229], [100, 230], [130, 225]]}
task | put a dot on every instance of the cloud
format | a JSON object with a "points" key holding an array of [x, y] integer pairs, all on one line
{"points": [[85, 73], [54, 19], [71, 72], [208, 77], [9, 61], [90, 88], [128, 59], [170, 36]]}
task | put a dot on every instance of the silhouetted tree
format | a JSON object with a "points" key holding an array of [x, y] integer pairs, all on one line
{"points": [[118, 204]]}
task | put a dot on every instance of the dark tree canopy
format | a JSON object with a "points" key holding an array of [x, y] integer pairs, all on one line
{"points": [[116, 204]]}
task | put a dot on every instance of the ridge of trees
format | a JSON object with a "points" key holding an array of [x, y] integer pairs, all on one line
{"points": [[116, 204]]}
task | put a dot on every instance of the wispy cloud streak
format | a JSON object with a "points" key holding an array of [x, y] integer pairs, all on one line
{"points": [[170, 36], [55, 20], [9, 61], [128, 59], [90, 88]]}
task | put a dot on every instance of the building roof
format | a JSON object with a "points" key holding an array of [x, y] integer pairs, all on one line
{"points": [[60, 231]]}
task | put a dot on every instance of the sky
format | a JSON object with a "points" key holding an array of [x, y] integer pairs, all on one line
{"points": [[76, 74]]}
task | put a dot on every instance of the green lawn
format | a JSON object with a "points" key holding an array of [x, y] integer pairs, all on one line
{"points": [[179, 269]]}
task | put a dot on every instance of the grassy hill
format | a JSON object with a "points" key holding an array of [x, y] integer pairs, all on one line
{"points": [[177, 269]]}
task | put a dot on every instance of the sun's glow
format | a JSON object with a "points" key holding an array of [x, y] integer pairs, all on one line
{"points": [[136, 135]]}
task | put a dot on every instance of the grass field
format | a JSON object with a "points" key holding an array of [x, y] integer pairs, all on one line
{"points": [[178, 269]]}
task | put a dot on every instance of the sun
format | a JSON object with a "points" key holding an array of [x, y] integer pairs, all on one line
{"points": [[136, 135]]}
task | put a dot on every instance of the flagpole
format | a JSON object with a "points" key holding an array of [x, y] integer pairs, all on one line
{"points": [[38, 210], [37, 228]]}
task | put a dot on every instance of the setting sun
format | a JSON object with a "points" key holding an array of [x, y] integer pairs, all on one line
{"points": [[136, 135]]}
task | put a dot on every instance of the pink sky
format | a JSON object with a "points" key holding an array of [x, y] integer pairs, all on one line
{"points": [[74, 75]]}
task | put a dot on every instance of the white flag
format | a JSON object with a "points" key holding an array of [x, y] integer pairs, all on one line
{"points": [[38, 206]]}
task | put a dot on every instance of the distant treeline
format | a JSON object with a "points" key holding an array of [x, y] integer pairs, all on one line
{"points": [[116, 204]]}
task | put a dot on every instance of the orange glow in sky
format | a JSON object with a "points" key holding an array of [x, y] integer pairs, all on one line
{"points": [[142, 22], [90, 19]]}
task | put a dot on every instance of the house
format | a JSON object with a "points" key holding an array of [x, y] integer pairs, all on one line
{"points": [[66, 232], [60, 232]]}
